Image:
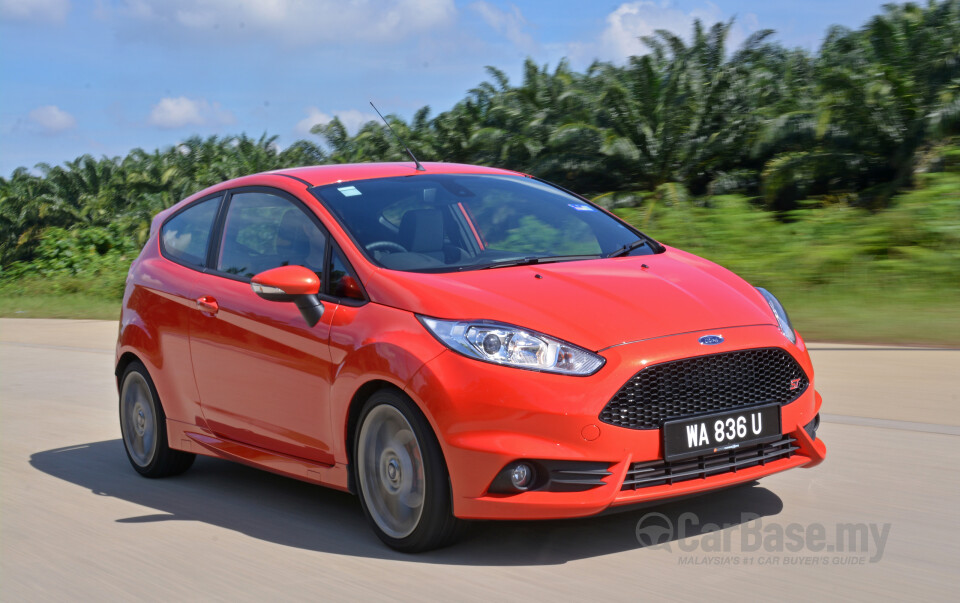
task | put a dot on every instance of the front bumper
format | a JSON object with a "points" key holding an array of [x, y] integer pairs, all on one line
{"points": [[486, 416]]}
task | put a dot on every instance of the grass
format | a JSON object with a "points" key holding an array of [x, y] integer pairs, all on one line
{"points": [[851, 316], [844, 274], [65, 305]]}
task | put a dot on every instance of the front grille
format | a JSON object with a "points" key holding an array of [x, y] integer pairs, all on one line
{"points": [[657, 473], [705, 384]]}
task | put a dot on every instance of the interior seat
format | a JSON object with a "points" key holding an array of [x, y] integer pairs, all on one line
{"points": [[421, 231], [293, 245]]}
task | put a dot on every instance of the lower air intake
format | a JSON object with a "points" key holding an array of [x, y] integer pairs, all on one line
{"points": [[658, 473]]}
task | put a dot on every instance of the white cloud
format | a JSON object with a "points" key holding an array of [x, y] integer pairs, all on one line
{"points": [[510, 24], [632, 20], [295, 21], [46, 11], [352, 119], [182, 111], [52, 119], [314, 117]]}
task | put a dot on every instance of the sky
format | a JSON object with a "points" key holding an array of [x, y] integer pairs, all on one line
{"points": [[103, 77]]}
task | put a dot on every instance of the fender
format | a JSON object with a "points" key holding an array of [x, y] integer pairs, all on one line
{"points": [[155, 329], [373, 343]]}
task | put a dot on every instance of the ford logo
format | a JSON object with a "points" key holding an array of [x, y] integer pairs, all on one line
{"points": [[711, 339]]}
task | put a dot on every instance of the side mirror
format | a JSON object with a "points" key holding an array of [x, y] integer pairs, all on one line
{"points": [[349, 288], [295, 284]]}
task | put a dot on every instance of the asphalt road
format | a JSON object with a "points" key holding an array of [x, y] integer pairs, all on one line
{"points": [[76, 523]]}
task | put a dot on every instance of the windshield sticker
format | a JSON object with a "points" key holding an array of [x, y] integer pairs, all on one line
{"points": [[581, 207], [349, 191]]}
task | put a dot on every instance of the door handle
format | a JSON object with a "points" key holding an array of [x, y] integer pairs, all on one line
{"points": [[207, 304]]}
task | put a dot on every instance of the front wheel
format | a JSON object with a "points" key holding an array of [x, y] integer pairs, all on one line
{"points": [[144, 427], [401, 477]]}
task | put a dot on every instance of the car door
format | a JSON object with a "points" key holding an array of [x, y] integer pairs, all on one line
{"points": [[263, 374]]}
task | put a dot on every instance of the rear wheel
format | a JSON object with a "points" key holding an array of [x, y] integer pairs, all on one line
{"points": [[400, 475], [144, 427]]}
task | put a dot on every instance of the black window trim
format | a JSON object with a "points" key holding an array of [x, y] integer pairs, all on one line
{"points": [[327, 284]]}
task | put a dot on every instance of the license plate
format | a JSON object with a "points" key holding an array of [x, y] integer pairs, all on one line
{"points": [[719, 432]]}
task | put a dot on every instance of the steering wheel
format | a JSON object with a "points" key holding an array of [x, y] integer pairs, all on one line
{"points": [[386, 246]]}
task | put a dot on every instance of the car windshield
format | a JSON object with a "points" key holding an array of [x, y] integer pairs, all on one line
{"points": [[453, 222]]}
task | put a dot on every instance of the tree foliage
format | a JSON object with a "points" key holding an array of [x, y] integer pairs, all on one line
{"points": [[121, 195], [691, 117]]}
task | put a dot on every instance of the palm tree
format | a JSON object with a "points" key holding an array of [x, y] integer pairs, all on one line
{"points": [[881, 93], [685, 118]]}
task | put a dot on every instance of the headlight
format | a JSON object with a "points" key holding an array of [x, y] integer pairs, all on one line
{"points": [[782, 319], [512, 346]]}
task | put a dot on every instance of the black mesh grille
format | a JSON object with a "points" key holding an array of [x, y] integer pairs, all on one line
{"points": [[705, 384], [657, 473]]}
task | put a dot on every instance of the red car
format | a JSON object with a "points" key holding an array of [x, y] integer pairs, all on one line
{"points": [[451, 343]]}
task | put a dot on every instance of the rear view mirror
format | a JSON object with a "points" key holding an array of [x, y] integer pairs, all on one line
{"points": [[295, 284]]}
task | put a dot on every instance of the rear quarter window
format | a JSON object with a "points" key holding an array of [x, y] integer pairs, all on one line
{"points": [[185, 236]]}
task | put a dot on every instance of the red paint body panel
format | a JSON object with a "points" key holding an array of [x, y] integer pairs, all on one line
{"points": [[159, 300], [697, 294], [543, 416], [263, 374], [246, 379], [373, 343], [319, 175]]}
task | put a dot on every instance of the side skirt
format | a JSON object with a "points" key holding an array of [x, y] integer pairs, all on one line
{"points": [[191, 438]]}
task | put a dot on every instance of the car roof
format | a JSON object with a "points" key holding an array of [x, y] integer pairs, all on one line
{"points": [[319, 175]]}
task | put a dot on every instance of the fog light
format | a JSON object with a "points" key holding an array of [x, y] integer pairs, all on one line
{"points": [[521, 476]]}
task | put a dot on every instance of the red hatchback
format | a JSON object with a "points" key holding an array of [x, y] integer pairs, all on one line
{"points": [[452, 343]]}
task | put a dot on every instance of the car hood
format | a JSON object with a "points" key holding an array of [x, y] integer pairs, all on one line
{"points": [[593, 303]]}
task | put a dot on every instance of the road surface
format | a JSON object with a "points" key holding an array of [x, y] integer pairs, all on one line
{"points": [[76, 523]]}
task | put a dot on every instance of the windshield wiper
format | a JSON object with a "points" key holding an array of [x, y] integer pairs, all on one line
{"points": [[534, 259], [627, 248]]}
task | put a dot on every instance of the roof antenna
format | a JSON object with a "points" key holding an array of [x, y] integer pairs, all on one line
{"points": [[405, 147]]}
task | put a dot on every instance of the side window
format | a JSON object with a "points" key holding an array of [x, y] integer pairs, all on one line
{"points": [[263, 231], [184, 237], [343, 283]]}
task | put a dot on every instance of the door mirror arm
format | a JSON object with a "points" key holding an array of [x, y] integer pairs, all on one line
{"points": [[296, 284], [311, 308]]}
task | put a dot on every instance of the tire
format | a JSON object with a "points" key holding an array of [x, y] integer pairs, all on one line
{"points": [[143, 425], [401, 477]]}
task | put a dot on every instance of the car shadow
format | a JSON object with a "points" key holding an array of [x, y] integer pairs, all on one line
{"points": [[297, 514]]}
